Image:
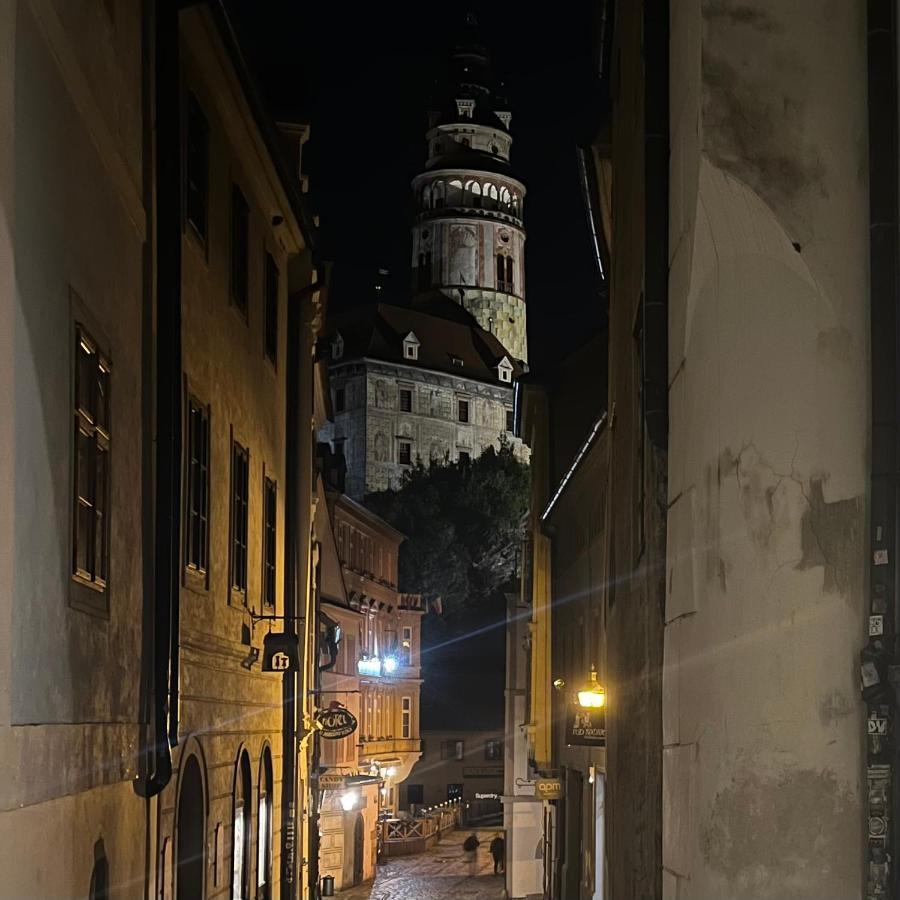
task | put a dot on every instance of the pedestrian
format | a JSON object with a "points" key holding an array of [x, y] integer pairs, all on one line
{"points": [[470, 846], [498, 851]]}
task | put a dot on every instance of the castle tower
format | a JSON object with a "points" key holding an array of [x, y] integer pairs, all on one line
{"points": [[468, 239]]}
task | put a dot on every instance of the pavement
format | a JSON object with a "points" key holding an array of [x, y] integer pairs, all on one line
{"points": [[441, 873]]}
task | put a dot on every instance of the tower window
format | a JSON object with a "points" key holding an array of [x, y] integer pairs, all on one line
{"points": [[405, 400], [510, 421], [504, 273], [462, 409], [340, 399], [404, 453]]}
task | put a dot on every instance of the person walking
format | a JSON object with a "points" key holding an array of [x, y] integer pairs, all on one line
{"points": [[470, 846], [498, 851]]}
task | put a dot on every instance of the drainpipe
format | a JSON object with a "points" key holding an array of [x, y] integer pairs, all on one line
{"points": [[655, 350], [167, 531], [298, 418], [878, 670]]}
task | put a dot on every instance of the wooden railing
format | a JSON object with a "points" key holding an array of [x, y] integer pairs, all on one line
{"points": [[403, 836]]}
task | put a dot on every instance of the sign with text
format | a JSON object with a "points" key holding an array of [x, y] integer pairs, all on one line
{"points": [[336, 723], [586, 727], [482, 771], [332, 782], [548, 788]]}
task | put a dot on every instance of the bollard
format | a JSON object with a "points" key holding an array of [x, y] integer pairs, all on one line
{"points": [[328, 886]]}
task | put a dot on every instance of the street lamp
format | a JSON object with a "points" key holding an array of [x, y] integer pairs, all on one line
{"points": [[348, 800], [593, 694]]}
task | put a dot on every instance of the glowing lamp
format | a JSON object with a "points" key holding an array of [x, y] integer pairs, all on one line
{"points": [[593, 694], [391, 772], [348, 800], [390, 664]]}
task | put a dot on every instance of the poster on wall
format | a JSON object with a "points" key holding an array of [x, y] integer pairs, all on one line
{"points": [[586, 727]]}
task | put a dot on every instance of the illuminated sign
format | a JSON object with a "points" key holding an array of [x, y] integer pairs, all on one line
{"points": [[586, 726], [548, 788]]}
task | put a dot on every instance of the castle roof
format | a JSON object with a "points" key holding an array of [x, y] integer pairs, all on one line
{"points": [[454, 345]]}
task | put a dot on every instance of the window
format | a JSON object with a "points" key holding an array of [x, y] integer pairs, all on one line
{"points": [[423, 273], [510, 421], [196, 168], [340, 399], [406, 646], [271, 308], [415, 793], [454, 792], [90, 526], [240, 844], [504, 273], [196, 529], [240, 487], [406, 717], [264, 828], [405, 400], [240, 249], [405, 453], [453, 749], [270, 495], [462, 410], [410, 346], [464, 457], [493, 750]]}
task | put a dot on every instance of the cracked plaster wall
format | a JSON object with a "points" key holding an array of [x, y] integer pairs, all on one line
{"points": [[769, 360]]}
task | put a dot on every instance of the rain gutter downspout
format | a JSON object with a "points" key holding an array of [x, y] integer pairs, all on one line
{"points": [[878, 667], [167, 294]]}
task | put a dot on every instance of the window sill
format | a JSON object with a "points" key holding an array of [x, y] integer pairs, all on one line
{"points": [[89, 598], [195, 580]]}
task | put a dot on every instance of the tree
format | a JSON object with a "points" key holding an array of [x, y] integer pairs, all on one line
{"points": [[463, 523]]}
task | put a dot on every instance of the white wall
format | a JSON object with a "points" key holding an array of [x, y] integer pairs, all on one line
{"points": [[768, 364]]}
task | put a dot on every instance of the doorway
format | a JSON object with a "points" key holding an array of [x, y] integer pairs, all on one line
{"points": [[359, 848], [190, 839]]}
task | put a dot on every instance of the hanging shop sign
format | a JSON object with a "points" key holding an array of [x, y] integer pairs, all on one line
{"points": [[586, 726], [336, 723], [548, 788], [281, 652], [332, 782]]}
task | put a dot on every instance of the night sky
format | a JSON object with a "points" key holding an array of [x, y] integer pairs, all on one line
{"points": [[362, 76]]}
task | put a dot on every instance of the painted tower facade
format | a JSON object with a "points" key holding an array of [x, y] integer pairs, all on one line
{"points": [[468, 239]]}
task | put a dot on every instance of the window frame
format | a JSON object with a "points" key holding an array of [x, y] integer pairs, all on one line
{"points": [[195, 575], [238, 450], [401, 445], [510, 420], [340, 399], [461, 404], [90, 587], [239, 249], [408, 393], [496, 743], [269, 595], [271, 296], [406, 712]]}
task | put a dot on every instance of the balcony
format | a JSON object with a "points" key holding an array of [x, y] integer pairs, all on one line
{"points": [[381, 746]]}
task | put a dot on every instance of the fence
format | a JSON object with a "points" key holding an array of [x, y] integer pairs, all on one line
{"points": [[400, 837]]}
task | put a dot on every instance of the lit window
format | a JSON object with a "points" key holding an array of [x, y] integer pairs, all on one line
{"points": [[90, 531], [406, 646], [240, 844]]}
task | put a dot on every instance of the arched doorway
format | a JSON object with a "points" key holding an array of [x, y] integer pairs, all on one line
{"points": [[241, 836], [359, 848], [190, 834], [264, 828]]}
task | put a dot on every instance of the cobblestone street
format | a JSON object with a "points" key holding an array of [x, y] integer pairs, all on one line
{"points": [[438, 874]]}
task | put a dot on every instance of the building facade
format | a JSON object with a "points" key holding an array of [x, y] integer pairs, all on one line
{"points": [[459, 765], [73, 369], [370, 662], [408, 386]]}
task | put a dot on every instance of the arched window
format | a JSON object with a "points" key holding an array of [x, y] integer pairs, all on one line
{"points": [[504, 197], [454, 193], [515, 204], [501, 272], [509, 274], [437, 194], [190, 833], [264, 829], [473, 193], [242, 819], [426, 197]]}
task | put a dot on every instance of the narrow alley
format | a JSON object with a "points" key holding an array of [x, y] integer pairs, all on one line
{"points": [[437, 874]]}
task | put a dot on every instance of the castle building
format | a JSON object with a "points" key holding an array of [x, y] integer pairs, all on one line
{"points": [[435, 381]]}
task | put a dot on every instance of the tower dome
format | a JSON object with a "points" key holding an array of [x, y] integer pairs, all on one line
{"points": [[468, 236]]}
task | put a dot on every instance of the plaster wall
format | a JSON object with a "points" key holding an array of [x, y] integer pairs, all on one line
{"points": [[769, 357], [71, 240]]}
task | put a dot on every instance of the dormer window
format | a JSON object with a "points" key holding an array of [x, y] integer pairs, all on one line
{"points": [[504, 370], [456, 361], [505, 117], [411, 346], [337, 346], [465, 107]]}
